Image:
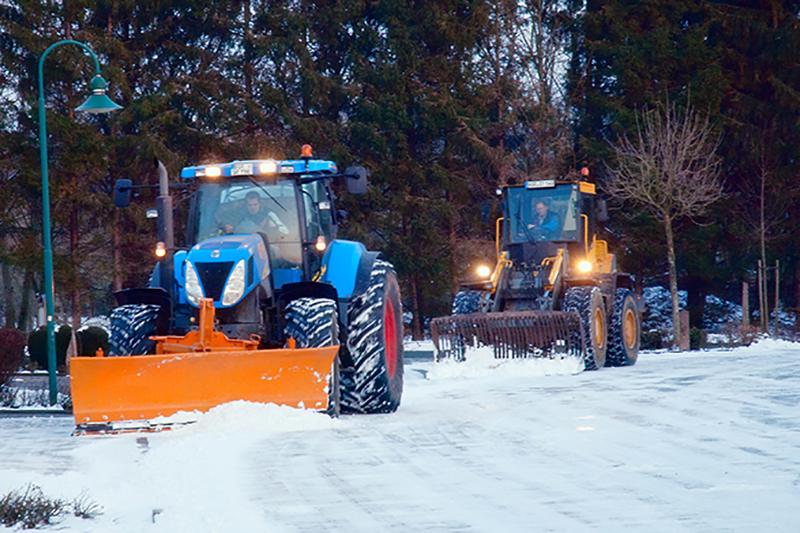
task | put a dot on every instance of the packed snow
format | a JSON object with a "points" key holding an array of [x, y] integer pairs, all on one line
{"points": [[695, 441]]}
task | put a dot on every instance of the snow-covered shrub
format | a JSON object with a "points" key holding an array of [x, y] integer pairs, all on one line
{"points": [[37, 346], [722, 321], [719, 313], [90, 339]]}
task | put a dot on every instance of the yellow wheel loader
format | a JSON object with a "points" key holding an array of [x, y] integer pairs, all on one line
{"points": [[555, 290]]}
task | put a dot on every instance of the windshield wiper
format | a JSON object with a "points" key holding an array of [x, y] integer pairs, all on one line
{"points": [[257, 184]]}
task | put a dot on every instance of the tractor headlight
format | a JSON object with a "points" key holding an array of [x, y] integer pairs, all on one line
{"points": [[585, 266], [484, 271], [234, 289], [194, 292]]}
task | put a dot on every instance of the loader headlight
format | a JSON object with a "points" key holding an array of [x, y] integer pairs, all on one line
{"points": [[484, 271], [585, 266], [194, 292], [234, 289]]}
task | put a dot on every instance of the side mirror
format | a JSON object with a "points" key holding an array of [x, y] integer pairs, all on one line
{"points": [[356, 180], [602, 210], [123, 190]]}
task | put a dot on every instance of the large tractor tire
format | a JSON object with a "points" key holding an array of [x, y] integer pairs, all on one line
{"points": [[314, 323], [588, 303], [624, 330], [131, 328], [375, 341]]}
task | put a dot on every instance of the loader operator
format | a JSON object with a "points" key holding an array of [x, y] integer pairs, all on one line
{"points": [[545, 226], [257, 219]]}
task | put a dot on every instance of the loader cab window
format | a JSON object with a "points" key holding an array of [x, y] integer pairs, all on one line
{"points": [[241, 206], [550, 214]]}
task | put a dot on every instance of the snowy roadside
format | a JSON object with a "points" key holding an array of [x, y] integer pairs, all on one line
{"points": [[697, 441]]}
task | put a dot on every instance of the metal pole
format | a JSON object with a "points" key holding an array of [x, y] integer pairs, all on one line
{"points": [[48, 252]]}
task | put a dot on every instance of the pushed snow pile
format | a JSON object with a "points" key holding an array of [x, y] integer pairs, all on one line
{"points": [[250, 416], [771, 346], [481, 362]]}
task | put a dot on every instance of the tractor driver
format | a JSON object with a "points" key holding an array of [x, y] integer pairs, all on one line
{"points": [[545, 225], [257, 219]]}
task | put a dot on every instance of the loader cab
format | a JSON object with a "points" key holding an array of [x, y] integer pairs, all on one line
{"points": [[545, 215]]}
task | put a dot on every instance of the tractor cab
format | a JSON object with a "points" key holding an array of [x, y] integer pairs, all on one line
{"points": [[288, 213]]}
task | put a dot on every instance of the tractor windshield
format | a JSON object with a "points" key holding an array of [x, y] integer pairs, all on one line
{"points": [[542, 214], [243, 206]]}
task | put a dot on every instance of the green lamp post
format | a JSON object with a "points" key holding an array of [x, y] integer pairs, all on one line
{"points": [[98, 102]]}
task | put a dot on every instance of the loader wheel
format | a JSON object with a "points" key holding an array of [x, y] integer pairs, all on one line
{"points": [[314, 323], [588, 302], [623, 330], [131, 328], [375, 341]]}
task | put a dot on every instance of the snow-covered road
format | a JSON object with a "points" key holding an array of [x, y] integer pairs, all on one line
{"points": [[699, 441]]}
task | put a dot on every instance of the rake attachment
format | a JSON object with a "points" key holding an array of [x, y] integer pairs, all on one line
{"points": [[512, 334]]}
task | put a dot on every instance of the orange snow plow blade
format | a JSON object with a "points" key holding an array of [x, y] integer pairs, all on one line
{"points": [[198, 372]]}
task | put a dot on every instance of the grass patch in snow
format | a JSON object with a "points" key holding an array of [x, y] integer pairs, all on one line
{"points": [[30, 508]]}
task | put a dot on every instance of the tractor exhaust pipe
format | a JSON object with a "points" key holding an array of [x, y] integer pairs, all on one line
{"points": [[166, 234]]}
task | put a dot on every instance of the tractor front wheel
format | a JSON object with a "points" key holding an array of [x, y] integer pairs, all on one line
{"points": [[314, 323], [375, 341], [131, 328]]}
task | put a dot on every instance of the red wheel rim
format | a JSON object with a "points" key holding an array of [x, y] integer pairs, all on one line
{"points": [[390, 334]]}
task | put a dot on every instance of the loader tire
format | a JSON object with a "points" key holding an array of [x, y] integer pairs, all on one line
{"points": [[314, 323], [131, 328], [623, 330], [375, 341], [588, 303]]}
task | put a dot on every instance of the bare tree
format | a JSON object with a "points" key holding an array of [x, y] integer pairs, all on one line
{"points": [[670, 169]]}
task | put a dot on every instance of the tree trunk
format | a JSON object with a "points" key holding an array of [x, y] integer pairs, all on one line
{"points": [[8, 296], [673, 283], [8, 287], [763, 305], [23, 322], [75, 291], [797, 297]]}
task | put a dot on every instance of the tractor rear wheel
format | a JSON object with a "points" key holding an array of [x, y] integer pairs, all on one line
{"points": [[314, 323], [623, 330], [131, 328], [375, 341], [588, 303]]}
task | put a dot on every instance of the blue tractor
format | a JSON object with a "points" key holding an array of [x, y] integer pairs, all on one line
{"points": [[261, 243]]}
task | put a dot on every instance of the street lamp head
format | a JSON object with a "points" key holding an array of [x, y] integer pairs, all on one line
{"points": [[98, 102]]}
